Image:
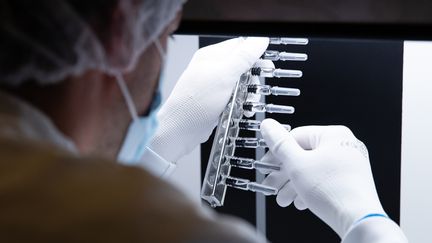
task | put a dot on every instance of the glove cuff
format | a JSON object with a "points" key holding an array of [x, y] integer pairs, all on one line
{"points": [[371, 215], [183, 126], [374, 229], [155, 164], [364, 218]]}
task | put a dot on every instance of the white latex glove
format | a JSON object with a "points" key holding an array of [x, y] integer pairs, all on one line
{"points": [[202, 92], [325, 169]]}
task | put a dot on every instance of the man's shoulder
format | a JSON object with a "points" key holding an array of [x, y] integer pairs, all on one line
{"points": [[43, 161], [49, 194], [58, 191]]}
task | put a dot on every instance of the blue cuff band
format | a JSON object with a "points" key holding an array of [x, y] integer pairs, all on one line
{"points": [[370, 216]]}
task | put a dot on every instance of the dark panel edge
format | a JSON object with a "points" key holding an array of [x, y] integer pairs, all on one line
{"points": [[310, 30]]}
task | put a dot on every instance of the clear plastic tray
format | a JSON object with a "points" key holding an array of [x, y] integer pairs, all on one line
{"points": [[218, 167]]}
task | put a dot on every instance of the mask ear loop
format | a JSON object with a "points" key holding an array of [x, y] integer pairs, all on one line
{"points": [[162, 52], [125, 91], [126, 94]]}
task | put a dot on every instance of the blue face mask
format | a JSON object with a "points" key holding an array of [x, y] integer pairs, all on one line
{"points": [[142, 129]]}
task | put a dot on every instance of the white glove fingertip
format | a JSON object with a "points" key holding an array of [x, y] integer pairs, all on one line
{"points": [[276, 180], [264, 64], [279, 140], [299, 204], [271, 159], [248, 114], [258, 43], [249, 51], [286, 195]]}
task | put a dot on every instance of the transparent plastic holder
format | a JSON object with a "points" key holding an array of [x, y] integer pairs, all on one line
{"points": [[217, 177], [218, 168]]}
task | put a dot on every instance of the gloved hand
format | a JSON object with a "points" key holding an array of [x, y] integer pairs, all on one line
{"points": [[325, 169], [202, 92]]}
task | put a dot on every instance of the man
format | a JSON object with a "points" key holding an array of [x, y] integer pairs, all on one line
{"points": [[78, 109]]}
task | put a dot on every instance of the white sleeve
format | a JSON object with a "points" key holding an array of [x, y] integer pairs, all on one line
{"points": [[156, 165], [375, 230]]}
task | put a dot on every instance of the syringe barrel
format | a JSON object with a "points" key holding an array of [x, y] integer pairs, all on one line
{"points": [[270, 108], [253, 125], [288, 41], [249, 142], [276, 73], [284, 56]]}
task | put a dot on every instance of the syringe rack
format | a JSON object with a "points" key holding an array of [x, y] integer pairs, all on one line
{"points": [[218, 167]]}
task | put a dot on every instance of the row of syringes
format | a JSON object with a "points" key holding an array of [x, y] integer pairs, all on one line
{"points": [[253, 125]]}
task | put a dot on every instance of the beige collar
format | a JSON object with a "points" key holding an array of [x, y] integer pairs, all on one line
{"points": [[20, 120]]}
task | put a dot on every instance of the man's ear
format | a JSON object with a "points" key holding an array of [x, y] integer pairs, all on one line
{"points": [[116, 37]]}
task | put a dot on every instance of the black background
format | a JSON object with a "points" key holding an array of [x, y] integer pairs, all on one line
{"points": [[356, 83], [396, 19]]}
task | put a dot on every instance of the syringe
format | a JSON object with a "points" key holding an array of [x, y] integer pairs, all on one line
{"points": [[247, 185], [269, 90], [284, 56], [270, 108], [276, 72], [253, 125], [288, 41], [246, 163], [247, 142]]}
